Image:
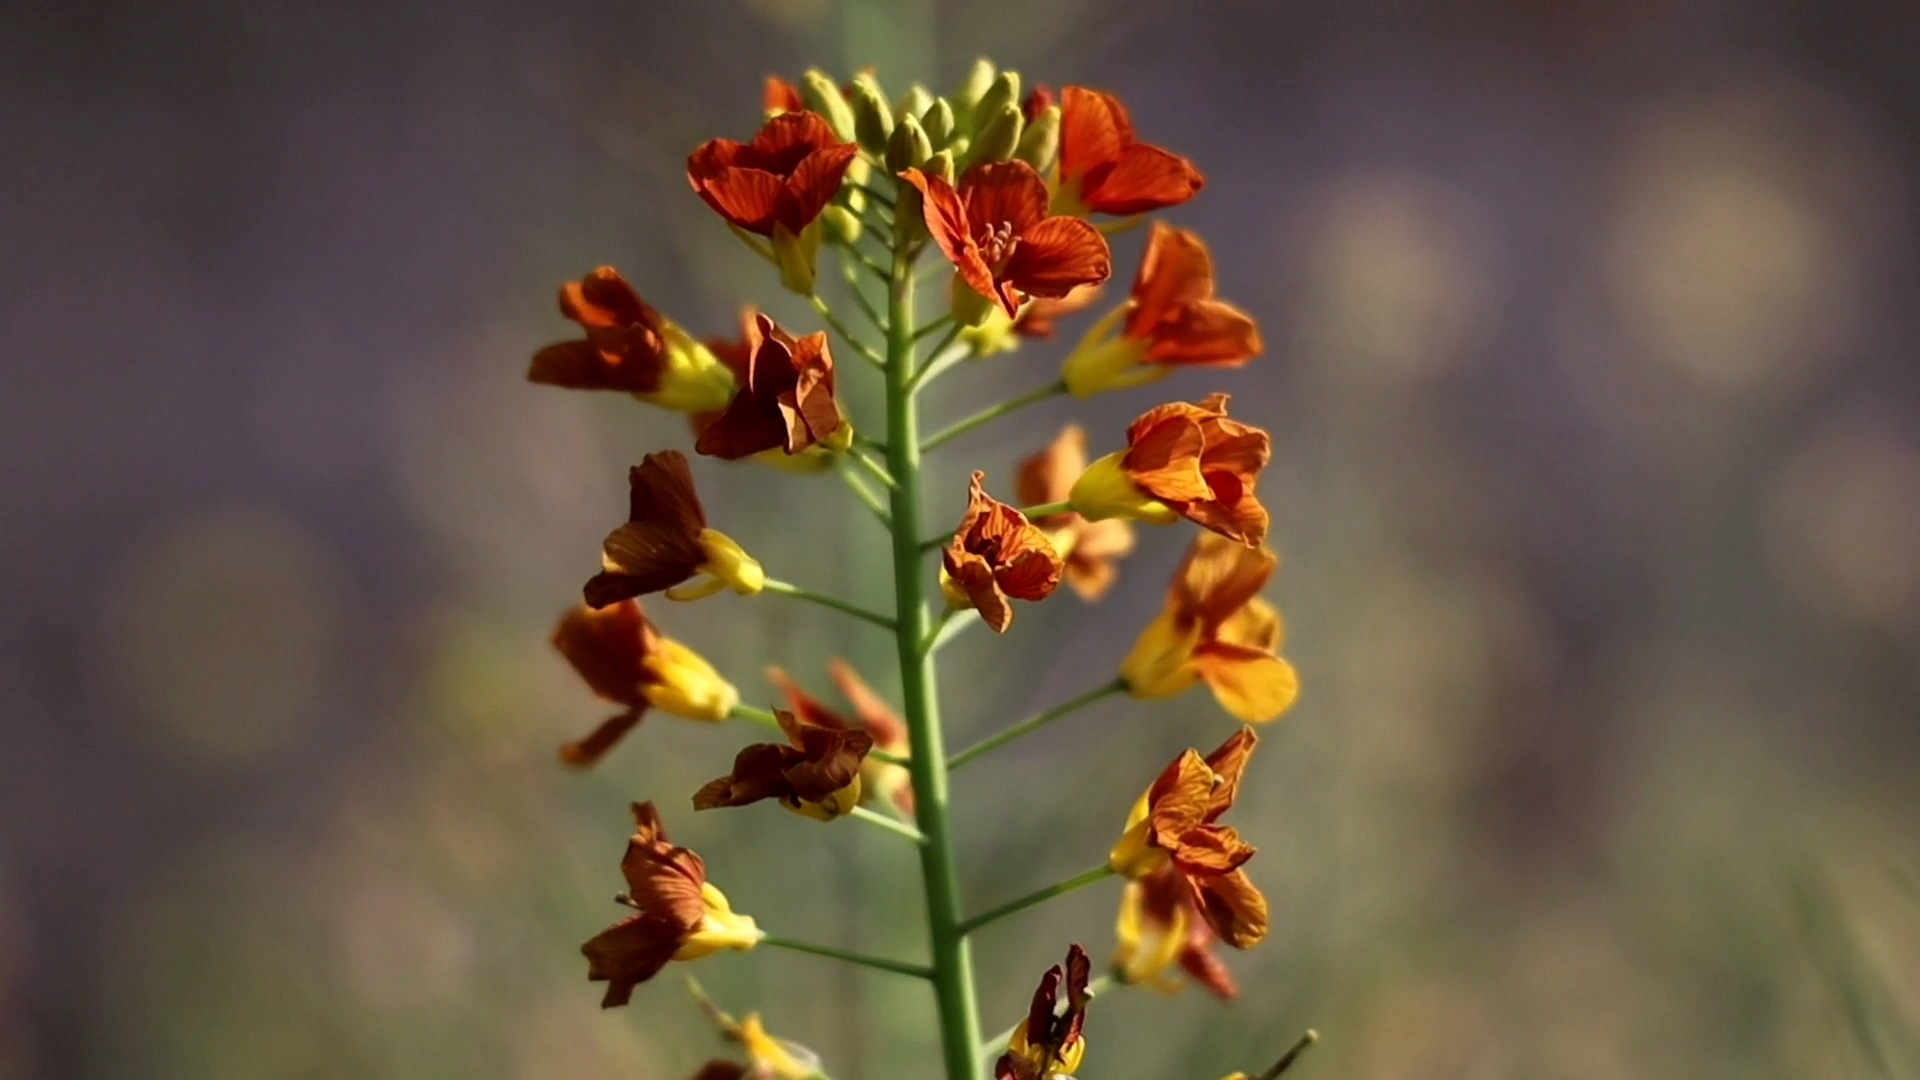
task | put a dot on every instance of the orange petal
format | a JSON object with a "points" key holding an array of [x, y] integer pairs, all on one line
{"points": [[1177, 801], [748, 198], [814, 184], [1228, 761], [1218, 577], [1048, 475], [946, 218], [1165, 459], [1003, 193], [1058, 255], [1094, 129], [1206, 334], [1175, 272], [1210, 849], [1232, 907], [1144, 179], [582, 753]]}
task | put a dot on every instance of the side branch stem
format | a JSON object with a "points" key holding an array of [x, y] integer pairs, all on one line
{"points": [[991, 413], [918, 971], [1035, 722], [1058, 888], [855, 610], [847, 335]]}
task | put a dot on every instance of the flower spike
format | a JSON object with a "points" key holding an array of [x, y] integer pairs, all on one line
{"points": [[817, 775], [626, 661], [679, 915], [1048, 1043], [631, 348], [1173, 827], [996, 231], [1090, 548], [787, 404], [1183, 461], [1170, 321], [1104, 170], [995, 554], [1216, 629], [666, 542]]}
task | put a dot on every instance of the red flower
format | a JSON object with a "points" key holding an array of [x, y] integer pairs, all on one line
{"points": [[631, 348], [1171, 320], [997, 233], [995, 554], [787, 400], [666, 541], [783, 178], [1046, 1045], [1183, 461], [1160, 925], [1103, 170]]}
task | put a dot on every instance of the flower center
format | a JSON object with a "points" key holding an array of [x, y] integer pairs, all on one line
{"points": [[997, 245]]}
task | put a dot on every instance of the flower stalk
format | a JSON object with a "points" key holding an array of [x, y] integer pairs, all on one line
{"points": [[898, 967], [1036, 722], [1058, 888]]}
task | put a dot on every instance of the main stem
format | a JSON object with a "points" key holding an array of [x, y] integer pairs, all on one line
{"points": [[952, 962]]}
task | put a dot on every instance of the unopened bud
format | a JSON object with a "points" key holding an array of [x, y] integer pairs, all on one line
{"points": [[1004, 91], [974, 87], [1040, 143], [909, 147], [938, 120], [969, 308], [872, 119], [998, 137], [843, 225], [915, 102], [823, 97], [940, 165]]}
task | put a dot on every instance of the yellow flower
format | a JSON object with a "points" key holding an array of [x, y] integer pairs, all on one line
{"points": [[1216, 629]]}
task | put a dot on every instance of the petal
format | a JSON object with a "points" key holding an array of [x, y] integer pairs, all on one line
{"points": [[749, 426], [879, 718], [1090, 578], [1058, 255], [664, 879], [582, 753], [746, 197], [975, 578], [1094, 129], [642, 557], [660, 488], [814, 407], [1179, 798], [1228, 761], [603, 298], [1210, 849], [629, 953], [1232, 907], [779, 95], [814, 184], [809, 709], [1207, 334], [580, 365], [1033, 570], [1175, 272], [836, 766], [1144, 179], [946, 218], [1004, 193], [607, 647], [758, 773], [1251, 685], [792, 135], [1257, 625], [1165, 460], [1198, 961], [1218, 577]]}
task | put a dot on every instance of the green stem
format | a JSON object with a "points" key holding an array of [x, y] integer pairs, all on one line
{"points": [[992, 413], [889, 824], [1287, 1059], [918, 971], [1058, 888], [846, 335], [851, 274], [952, 959], [1035, 722], [855, 610], [933, 325], [1100, 984], [866, 495], [878, 471], [1045, 510]]}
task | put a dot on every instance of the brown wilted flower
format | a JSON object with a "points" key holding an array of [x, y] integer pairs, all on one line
{"points": [[871, 713], [817, 775], [679, 915], [631, 348], [1183, 460], [787, 402], [995, 554], [1216, 629], [1046, 1045], [626, 661], [666, 542], [1160, 925], [1090, 548], [1174, 825]]}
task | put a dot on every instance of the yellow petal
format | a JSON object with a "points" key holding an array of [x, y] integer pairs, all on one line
{"points": [[1255, 688], [728, 562], [721, 928], [684, 684], [1106, 491], [1161, 661]]}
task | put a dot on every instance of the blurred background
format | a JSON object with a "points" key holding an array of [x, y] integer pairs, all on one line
{"points": [[1591, 370]]}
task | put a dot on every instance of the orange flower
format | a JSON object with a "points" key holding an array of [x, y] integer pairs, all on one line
{"points": [[666, 541], [1103, 170], [870, 714], [1186, 461], [787, 403], [1171, 320], [679, 915], [996, 231], [1046, 1045], [997, 553], [1216, 629], [1089, 547], [1160, 925], [780, 180], [778, 96], [1174, 826], [626, 661], [631, 348], [816, 776]]}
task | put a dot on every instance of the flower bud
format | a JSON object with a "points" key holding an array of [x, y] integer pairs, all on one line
{"points": [[720, 928], [684, 684], [692, 379], [823, 97], [909, 147], [969, 308], [915, 103], [1108, 360], [837, 805], [1040, 144], [974, 87], [939, 122], [1004, 91], [843, 226], [730, 564], [940, 165], [872, 119], [796, 256], [998, 137], [1106, 491]]}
